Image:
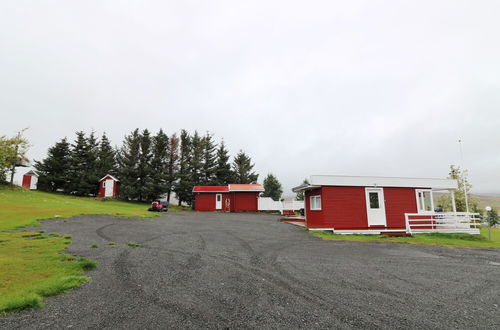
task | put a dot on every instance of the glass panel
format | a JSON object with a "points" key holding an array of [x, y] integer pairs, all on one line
{"points": [[374, 204], [427, 201], [218, 198]]}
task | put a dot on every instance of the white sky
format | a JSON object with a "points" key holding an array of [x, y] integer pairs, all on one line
{"points": [[304, 87]]}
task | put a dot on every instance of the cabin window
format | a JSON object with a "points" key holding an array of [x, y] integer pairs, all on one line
{"points": [[315, 203], [374, 202], [104, 184], [425, 201]]}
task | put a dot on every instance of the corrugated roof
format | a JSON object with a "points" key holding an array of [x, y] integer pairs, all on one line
{"points": [[210, 189], [246, 187]]}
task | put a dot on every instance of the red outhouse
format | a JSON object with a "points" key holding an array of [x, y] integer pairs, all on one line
{"points": [[108, 186], [30, 180], [230, 198], [373, 205]]}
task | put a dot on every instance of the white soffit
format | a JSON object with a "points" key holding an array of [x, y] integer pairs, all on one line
{"points": [[374, 181]]}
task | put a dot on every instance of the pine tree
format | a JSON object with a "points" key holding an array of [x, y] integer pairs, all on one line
{"points": [[183, 188], [145, 170], [196, 166], [159, 165], [172, 163], [106, 158], [54, 170], [79, 166], [223, 172], [92, 174], [128, 166], [272, 187], [300, 195], [209, 160], [242, 166]]}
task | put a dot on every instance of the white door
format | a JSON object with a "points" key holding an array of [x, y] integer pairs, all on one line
{"points": [[108, 188], [375, 207], [218, 201], [34, 182]]}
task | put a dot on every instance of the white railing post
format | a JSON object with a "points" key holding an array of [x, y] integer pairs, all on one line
{"points": [[408, 228]]}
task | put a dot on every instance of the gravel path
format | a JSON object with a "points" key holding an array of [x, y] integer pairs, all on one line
{"points": [[209, 270]]}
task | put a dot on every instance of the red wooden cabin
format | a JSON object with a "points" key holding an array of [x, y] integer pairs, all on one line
{"points": [[30, 180], [373, 205], [108, 186], [230, 198]]}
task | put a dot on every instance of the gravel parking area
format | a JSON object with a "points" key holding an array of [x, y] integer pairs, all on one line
{"points": [[211, 270]]}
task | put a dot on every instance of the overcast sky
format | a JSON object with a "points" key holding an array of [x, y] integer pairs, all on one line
{"points": [[304, 87]]}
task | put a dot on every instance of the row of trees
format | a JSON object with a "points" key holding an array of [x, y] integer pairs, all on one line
{"points": [[147, 165]]}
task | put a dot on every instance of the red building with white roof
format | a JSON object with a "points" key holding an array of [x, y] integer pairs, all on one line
{"points": [[230, 198], [373, 205]]}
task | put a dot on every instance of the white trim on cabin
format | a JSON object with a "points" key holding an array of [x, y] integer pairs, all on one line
{"points": [[374, 181], [112, 177]]}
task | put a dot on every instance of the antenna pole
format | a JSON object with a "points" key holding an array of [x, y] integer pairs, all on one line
{"points": [[464, 182]]}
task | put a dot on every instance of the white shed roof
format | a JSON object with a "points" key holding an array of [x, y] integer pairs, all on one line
{"points": [[377, 181]]}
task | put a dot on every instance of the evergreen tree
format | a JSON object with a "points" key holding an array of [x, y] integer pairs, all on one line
{"points": [[300, 195], [92, 174], [145, 170], [184, 187], [223, 172], [159, 165], [106, 158], [209, 160], [196, 166], [242, 166], [272, 187], [128, 166], [54, 170], [77, 183], [172, 163]]}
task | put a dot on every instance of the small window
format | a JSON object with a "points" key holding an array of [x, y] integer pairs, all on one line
{"points": [[315, 202], [219, 197], [374, 202], [104, 184], [425, 201]]}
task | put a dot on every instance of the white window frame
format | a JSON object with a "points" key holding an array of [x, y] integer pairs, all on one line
{"points": [[421, 209], [312, 204]]}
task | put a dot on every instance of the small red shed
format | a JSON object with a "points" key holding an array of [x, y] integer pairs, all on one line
{"points": [[373, 205], [108, 186], [30, 180], [230, 198]]}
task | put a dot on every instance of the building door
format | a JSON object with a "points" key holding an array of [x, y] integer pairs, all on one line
{"points": [[108, 188], [218, 201], [375, 207]]}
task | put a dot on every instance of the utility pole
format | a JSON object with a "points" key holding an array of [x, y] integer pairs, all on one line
{"points": [[464, 182]]}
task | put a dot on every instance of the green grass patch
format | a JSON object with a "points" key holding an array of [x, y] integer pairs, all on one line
{"points": [[31, 264], [94, 246], [441, 239], [133, 244], [111, 243]]}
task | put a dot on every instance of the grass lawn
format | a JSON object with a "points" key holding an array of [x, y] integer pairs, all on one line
{"points": [[451, 240], [31, 263]]}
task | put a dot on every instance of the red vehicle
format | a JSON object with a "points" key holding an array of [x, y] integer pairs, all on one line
{"points": [[157, 206]]}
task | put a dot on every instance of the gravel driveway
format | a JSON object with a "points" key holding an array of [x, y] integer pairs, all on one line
{"points": [[210, 270]]}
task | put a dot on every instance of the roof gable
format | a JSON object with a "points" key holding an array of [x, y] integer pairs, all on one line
{"points": [[110, 176]]}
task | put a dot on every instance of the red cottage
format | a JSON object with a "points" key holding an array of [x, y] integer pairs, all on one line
{"points": [[230, 198], [374, 205], [108, 187], [30, 180]]}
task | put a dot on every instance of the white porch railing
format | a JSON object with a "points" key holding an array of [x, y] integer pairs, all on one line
{"points": [[442, 222], [268, 204]]}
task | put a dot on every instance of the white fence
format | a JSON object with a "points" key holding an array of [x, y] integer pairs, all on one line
{"points": [[442, 222], [268, 204]]}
